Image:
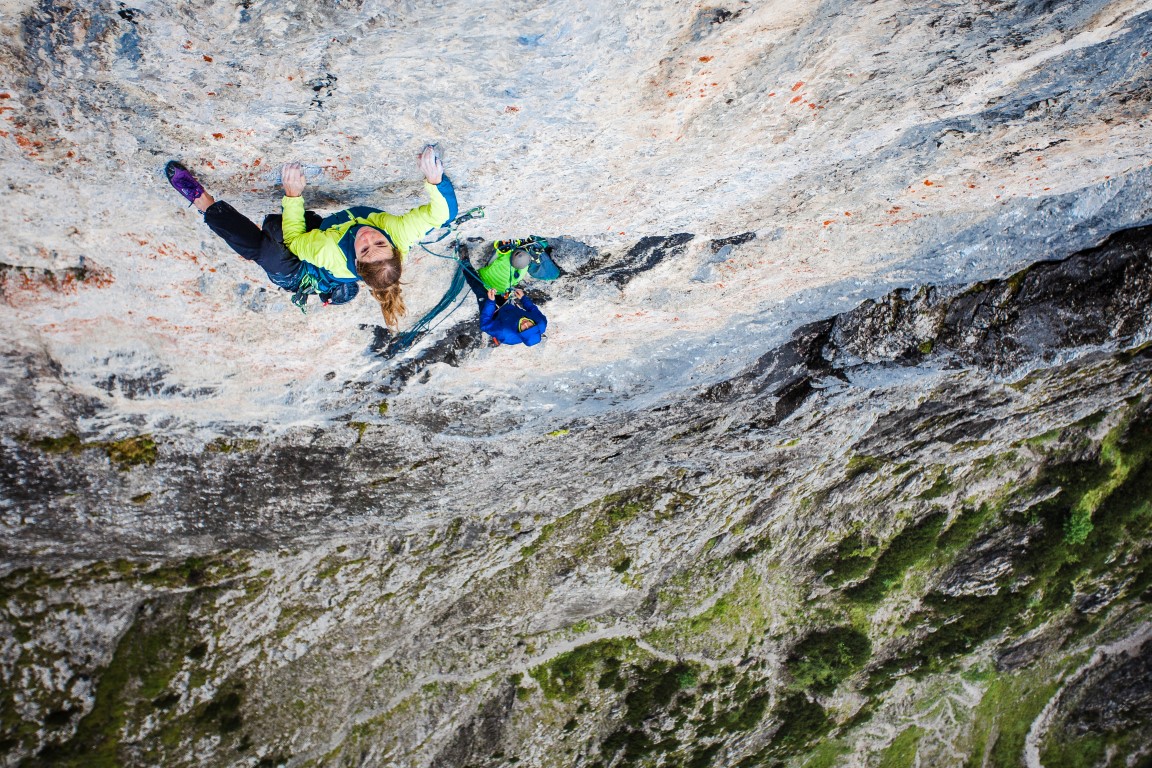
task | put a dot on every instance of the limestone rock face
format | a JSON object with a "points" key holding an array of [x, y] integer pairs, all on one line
{"points": [[838, 452]]}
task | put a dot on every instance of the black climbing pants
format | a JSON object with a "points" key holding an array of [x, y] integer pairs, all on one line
{"points": [[478, 287], [263, 245], [475, 284]]}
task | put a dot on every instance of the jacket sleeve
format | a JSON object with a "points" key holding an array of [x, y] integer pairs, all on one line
{"points": [[306, 246], [405, 231], [488, 317]]}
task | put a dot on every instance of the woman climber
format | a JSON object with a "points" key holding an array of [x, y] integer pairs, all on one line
{"points": [[308, 255]]}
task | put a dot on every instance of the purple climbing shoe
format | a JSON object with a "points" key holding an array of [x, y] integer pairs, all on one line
{"points": [[183, 181]]}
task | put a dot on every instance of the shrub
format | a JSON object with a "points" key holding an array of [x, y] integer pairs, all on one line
{"points": [[824, 658], [849, 560]]}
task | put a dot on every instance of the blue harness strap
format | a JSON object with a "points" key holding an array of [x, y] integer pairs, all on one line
{"points": [[312, 280]]}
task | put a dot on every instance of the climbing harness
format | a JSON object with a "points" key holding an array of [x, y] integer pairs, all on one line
{"points": [[533, 245]]}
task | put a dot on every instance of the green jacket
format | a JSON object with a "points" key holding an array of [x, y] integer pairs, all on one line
{"points": [[500, 274]]}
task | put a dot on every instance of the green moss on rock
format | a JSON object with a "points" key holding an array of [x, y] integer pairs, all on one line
{"points": [[591, 524], [194, 572], [826, 657], [1046, 571], [851, 558], [125, 454], [130, 452], [901, 753], [802, 721], [564, 677], [361, 427], [963, 529], [232, 445], [907, 548], [1005, 713], [222, 713], [146, 659], [69, 443], [939, 487], [860, 464]]}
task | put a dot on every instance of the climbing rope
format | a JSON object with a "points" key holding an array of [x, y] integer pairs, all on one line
{"points": [[405, 339]]}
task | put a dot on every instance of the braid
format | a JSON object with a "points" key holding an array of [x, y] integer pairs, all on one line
{"points": [[391, 304]]}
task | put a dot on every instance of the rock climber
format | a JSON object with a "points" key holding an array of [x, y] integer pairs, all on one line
{"points": [[514, 321], [306, 255]]}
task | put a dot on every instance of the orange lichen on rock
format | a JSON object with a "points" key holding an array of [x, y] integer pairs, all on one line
{"points": [[340, 171], [172, 251], [16, 282]]}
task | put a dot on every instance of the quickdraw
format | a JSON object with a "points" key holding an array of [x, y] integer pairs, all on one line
{"points": [[468, 215], [306, 288]]}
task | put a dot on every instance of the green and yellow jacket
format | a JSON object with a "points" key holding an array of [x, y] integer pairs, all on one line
{"points": [[500, 274], [328, 254]]}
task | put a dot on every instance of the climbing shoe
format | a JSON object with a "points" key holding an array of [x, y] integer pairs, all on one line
{"points": [[183, 181]]}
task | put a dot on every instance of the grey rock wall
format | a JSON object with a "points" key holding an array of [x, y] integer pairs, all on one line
{"points": [[838, 451], [892, 514]]}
